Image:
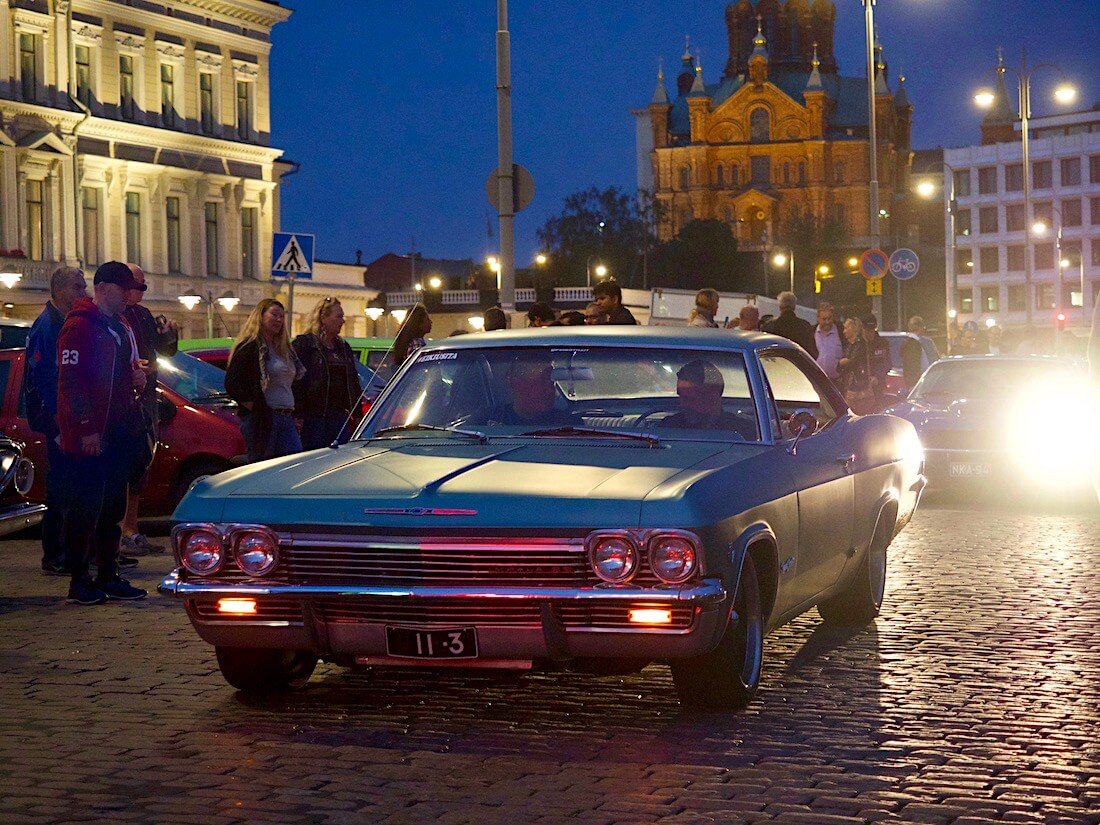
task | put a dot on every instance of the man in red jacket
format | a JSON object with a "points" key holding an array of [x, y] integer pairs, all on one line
{"points": [[99, 415]]}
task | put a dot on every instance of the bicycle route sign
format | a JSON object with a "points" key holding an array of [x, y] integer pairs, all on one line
{"points": [[904, 264]]}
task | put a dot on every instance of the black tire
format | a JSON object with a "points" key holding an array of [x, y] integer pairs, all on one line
{"points": [[861, 600], [191, 473], [264, 670], [727, 678]]}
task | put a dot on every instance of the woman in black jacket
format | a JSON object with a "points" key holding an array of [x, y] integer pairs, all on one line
{"points": [[259, 377], [327, 395], [854, 370]]}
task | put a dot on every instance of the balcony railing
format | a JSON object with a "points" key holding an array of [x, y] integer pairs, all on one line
{"points": [[472, 297]]}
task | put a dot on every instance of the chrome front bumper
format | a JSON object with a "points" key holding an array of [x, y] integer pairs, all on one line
{"points": [[19, 516], [547, 639]]}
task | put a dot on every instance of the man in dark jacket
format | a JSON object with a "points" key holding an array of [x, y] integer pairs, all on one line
{"points": [[790, 326], [40, 399], [609, 297], [99, 416], [878, 358], [154, 337]]}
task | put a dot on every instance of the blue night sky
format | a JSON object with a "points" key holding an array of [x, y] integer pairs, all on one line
{"points": [[391, 108]]}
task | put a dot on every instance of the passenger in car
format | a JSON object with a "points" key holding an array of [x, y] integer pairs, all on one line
{"points": [[531, 383], [699, 385]]}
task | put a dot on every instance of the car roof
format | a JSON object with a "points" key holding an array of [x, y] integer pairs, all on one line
{"points": [[1053, 360], [14, 322], [616, 335]]}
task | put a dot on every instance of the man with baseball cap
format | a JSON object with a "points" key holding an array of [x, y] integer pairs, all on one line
{"points": [[99, 415]]}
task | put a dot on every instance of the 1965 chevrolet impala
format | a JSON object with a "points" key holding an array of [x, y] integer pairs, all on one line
{"points": [[599, 498]]}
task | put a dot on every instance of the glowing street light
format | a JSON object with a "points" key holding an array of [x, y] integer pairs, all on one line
{"points": [[399, 315], [435, 282], [541, 259], [477, 322], [228, 302]]}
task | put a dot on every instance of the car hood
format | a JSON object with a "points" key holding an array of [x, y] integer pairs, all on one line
{"points": [[945, 413], [454, 485]]}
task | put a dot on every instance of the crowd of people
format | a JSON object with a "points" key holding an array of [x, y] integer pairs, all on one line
{"points": [[90, 391]]}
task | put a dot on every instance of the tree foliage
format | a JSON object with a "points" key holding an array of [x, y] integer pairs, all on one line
{"points": [[703, 254], [596, 226]]}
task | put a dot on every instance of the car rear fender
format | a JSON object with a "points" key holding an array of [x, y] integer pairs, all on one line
{"points": [[884, 515], [759, 540]]}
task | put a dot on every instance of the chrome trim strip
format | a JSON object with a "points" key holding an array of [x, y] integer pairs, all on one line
{"points": [[706, 591]]}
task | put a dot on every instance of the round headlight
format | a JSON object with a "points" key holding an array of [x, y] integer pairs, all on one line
{"points": [[24, 476], [257, 553], [201, 552], [672, 558], [614, 558]]}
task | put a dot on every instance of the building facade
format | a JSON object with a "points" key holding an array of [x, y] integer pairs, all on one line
{"points": [[781, 138], [139, 132], [996, 257]]}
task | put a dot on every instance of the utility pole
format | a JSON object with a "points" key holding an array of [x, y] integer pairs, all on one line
{"points": [[505, 173]]}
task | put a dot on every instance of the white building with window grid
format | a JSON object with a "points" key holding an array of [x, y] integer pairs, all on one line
{"points": [[991, 248], [139, 131]]}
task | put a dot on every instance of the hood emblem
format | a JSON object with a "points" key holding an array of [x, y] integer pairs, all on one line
{"points": [[416, 511]]}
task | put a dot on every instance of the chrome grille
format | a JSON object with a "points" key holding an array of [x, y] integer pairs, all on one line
{"points": [[446, 561], [267, 610]]}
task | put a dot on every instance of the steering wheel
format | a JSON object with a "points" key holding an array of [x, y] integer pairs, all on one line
{"points": [[652, 411]]}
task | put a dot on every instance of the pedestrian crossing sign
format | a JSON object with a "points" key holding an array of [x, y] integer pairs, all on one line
{"points": [[292, 254]]}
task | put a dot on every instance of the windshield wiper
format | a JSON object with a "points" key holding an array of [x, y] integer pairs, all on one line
{"points": [[652, 440], [406, 428]]}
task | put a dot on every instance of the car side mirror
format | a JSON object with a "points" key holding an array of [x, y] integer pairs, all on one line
{"points": [[166, 410], [802, 422]]}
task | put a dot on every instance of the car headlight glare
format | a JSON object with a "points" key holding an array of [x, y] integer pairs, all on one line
{"points": [[256, 552], [672, 558], [202, 552], [24, 476], [613, 557]]}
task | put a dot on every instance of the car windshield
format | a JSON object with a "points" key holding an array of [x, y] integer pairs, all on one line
{"points": [[191, 378], [985, 380], [570, 391]]}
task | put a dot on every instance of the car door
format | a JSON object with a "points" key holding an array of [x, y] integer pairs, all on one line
{"points": [[821, 467]]}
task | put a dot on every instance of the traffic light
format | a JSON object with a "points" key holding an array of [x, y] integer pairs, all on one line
{"points": [[1060, 320]]}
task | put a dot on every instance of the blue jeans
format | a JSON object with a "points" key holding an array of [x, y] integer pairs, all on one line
{"points": [[321, 430], [283, 439]]}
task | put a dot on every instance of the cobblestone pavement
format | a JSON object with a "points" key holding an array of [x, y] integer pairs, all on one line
{"points": [[974, 698]]}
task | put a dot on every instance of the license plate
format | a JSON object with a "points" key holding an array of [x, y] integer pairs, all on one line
{"points": [[968, 469], [410, 643]]}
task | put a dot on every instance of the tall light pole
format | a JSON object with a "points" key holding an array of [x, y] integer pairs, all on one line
{"points": [[926, 189], [227, 302], [505, 173], [1041, 228], [783, 260], [986, 98], [872, 136]]}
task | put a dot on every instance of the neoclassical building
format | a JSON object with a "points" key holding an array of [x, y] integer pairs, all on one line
{"points": [[139, 132], [780, 132]]}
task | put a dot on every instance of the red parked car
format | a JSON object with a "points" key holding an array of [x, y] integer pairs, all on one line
{"points": [[199, 432]]}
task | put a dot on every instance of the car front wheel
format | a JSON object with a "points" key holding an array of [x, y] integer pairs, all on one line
{"points": [[727, 677], [264, 670]]}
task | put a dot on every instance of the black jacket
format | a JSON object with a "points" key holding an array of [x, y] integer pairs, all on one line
{"points": [[151, 342], [793, 328], [244, 384], [311, 392]]}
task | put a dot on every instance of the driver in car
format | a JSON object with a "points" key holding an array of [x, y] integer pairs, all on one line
{"points": [[531, 383], [699, 385]]}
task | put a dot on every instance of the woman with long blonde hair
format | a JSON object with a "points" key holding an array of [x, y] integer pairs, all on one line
{"points": [[327, 395], [260, 374]]}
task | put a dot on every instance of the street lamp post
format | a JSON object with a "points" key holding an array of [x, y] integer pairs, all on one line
{"points": [[926, 189], [601, 270], [986, 98], [1040, 228], [227, 302], [785, 260]]}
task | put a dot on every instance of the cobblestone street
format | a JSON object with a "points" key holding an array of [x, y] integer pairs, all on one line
{"points": [[974, 698]]}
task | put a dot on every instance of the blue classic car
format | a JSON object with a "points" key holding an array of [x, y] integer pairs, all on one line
{"points": [[599, 498]]}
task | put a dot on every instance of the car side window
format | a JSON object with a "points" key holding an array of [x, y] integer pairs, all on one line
{"points": [[793, 387]]}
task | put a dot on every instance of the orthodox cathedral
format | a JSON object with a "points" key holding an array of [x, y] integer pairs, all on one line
{"points": [[781, 134]]}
